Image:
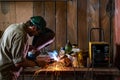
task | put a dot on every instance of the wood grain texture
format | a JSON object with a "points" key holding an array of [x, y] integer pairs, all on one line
{"points": [[72, 21], [116, 34], [23, 11], [105, 19], [82, 24], [93, 18], [39, 8], [117, 23], [68, 74], [9, 16], [60, 24]]}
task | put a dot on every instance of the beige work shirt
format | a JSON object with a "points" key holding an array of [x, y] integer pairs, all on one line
{"points": [[13, 47]]}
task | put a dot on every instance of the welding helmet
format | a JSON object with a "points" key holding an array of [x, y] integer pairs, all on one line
{"points": [[39, 22]]}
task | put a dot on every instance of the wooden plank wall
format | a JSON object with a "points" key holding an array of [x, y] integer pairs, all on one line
{"points": [[116, 34], [7, 14], [61, 17], [82, 25], [69, 19]]}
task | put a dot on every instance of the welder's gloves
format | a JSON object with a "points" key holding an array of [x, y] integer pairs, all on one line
{"points": [[30, 56]]}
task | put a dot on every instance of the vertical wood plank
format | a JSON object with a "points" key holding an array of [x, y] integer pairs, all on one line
{"points": [[93, 18], [50, 18], [24, 10], [116, 34], [117, 23], [105, 19], [72, 21], [60, 24], [39, 8], [9, 16], [82, 24], [106, 23]]}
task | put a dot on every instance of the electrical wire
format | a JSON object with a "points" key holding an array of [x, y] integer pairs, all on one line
{"points": [[75, 78]]}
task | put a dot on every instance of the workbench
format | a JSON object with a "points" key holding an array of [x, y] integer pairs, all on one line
{"points": [[70, 74]]}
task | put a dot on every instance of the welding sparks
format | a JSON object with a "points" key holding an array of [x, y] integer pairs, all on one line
{"points": [[55, 67], [60, 64]]}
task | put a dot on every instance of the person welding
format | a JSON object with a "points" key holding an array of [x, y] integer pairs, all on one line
{"points": [[14, 47]]}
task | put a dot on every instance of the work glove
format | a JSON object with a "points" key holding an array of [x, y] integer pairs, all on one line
{"points": [[31, 55]]}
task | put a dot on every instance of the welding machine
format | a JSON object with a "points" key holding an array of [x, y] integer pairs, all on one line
{"points": [[99, 51]]}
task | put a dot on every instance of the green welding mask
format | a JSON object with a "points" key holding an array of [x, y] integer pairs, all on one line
{"points": [[39, 22]]}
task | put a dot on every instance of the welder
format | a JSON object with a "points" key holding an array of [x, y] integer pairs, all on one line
{"points": [[14, 47]]}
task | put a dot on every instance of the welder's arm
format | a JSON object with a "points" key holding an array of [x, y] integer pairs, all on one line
{"points": [[39, 42], [38, 62]]}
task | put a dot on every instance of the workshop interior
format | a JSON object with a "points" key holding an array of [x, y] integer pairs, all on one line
{"points": [[82, 37]]}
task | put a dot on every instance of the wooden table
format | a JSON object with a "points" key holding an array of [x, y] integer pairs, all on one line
{"points": [[71, 74]]}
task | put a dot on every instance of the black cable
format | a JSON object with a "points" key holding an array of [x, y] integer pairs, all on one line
{"points": [[36, 63], [75, 78], [34, 76], [87, 72]]}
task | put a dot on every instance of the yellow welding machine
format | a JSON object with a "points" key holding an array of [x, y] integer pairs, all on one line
{"points": [[99, 54]]}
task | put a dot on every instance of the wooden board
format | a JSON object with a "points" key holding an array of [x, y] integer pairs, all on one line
{"points": [[82, 24], [22, 15], [38, 8], [100, 71], [7, 14], [72, 21], [61, 18]]}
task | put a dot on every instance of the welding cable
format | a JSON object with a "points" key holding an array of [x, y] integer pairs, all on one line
{"points": [[85, 76], [36, 63], [88, 72], [35, 75], [75, 78]]}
